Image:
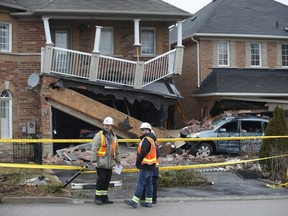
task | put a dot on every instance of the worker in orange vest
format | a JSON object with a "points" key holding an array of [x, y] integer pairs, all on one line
{"points": [[146, 163], [155, 177], [105, 153]]}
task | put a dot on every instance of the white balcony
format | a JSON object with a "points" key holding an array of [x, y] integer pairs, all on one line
{"points": [[96, 67]]}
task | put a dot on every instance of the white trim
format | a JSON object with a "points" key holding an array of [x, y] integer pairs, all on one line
{"points": [[10, 36]]}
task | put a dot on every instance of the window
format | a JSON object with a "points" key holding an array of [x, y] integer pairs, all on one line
{"points": [[223, 53], [255, 54], [231, 127], [148, 41], [5, 37], [6, 114], [251, 127], [106, 44], [284, 51]]}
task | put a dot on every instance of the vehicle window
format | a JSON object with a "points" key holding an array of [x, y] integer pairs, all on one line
{"points": [[231, 127], [251, 127]]}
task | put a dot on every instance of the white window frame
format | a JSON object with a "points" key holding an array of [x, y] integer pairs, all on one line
{"points": [[284, 55], [223, 51], [6, 114], [107, 41], [254, 54], [8, 38], [147, 44]]}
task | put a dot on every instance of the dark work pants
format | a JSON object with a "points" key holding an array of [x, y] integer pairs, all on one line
{"points": [[155, 189], [102, 184]]}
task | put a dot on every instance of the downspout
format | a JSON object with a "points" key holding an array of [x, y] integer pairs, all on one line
{"points": [[198, 61]]}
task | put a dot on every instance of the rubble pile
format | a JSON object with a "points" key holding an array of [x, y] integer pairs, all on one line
{"points": [[78, 155]]}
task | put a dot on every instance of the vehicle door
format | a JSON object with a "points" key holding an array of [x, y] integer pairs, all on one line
{"points": [[229, 129], [251, 128]]}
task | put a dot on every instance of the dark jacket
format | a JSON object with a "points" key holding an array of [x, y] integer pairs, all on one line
{"points": [[145, 149]]}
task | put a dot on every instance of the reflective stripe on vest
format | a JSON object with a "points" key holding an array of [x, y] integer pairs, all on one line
{"points": [[102, 150], [151, 157]]}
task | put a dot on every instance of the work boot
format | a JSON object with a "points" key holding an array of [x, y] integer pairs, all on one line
{"points": [[98, 202], [145, 204], [107, 202], [131, 203]]}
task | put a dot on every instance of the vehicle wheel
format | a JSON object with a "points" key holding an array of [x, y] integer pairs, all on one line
{"points": [[204, 150]]}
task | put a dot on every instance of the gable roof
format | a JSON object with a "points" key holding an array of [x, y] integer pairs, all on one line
{"points": [[245, 82], [115, 9], [241, 17]]}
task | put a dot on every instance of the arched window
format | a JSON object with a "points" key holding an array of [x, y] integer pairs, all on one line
{"points": [[6, 114]]}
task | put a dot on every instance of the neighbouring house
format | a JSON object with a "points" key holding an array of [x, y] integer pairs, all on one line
{"points": [[67, 64], [235, 58]]}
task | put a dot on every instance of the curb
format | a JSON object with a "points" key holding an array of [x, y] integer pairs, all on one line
{"points": [[167, 199]]}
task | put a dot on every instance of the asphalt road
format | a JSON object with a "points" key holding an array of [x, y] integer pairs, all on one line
{"points": [[250, 207]]}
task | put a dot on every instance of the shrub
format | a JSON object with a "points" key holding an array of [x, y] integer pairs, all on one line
{"points": [[277, 126], [180, 178]]}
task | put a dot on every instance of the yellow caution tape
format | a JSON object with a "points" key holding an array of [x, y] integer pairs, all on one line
{"points": [[277, 186], [38, 166], [79, 168], [138, 140]]}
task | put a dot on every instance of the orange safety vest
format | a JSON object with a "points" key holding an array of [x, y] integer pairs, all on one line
{"points": [[102, 150], [151, 157]]}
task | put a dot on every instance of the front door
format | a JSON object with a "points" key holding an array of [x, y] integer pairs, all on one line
{"points": [[62, 39]]}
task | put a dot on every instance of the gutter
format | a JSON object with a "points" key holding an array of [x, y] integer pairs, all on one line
{"points": [[12, 6], [198, 61], [240, 36], [242, 94], [258, 100]]}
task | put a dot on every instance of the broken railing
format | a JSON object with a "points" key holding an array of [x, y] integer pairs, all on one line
{"points": [[159, 67], [96, 67]]}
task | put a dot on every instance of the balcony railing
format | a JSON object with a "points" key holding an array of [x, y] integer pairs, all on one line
{"points": [[97, 67]]}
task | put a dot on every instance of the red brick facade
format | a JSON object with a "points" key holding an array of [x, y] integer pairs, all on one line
{"points": [[28, 37]]}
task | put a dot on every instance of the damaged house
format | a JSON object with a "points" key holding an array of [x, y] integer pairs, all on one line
{"points": [[67, 64], [235, 58]]}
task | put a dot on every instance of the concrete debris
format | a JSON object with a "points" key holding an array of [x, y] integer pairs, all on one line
{"points": [[170, 152], [40, 180], [166, 159]]}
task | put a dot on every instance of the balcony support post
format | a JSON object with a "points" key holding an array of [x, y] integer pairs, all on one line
{"points": [[93, 73], [179, 50], [179, 33], [179, 59], [47, 30], [97, 39], [47, 65], [139, 75]]}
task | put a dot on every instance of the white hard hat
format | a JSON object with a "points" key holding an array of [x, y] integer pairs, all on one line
{"points": [[145, 125], [108, 121]]}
